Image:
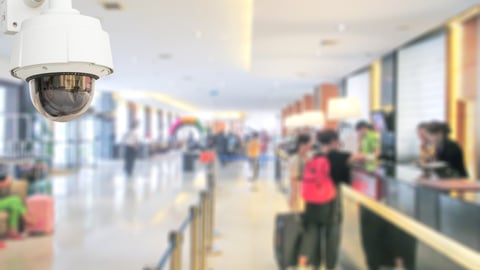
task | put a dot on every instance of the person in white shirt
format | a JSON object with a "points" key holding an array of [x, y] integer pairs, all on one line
{"points": [[131, 142], [297, 164]]}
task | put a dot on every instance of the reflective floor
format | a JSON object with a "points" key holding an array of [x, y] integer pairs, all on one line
{"points": [[106, 221]]}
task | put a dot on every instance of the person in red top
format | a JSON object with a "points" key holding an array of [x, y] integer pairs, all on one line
{"points": [[327, 217]]}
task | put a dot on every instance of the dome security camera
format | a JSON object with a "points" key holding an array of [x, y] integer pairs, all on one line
{"points": [[59, 52]]}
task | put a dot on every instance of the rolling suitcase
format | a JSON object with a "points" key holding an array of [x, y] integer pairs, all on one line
{"points": [[41, 209], [287, 239]]}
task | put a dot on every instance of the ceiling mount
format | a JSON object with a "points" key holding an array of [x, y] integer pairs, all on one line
{"points": [[328, 42], [165, 56], [112, 5]]}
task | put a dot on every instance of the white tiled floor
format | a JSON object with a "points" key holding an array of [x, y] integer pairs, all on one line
{"points": [[246, 221], [105, 221]]}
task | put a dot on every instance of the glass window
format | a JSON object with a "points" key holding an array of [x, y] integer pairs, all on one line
{"points": [[3, 99], [121, 121]]}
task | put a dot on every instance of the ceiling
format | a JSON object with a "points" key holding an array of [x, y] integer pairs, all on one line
{"points": [[252, 55]]}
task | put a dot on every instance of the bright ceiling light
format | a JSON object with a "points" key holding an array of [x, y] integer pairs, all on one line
{"points": [[162, 98], [222, 115], [248, 34], [341, 28], [176, 103]]}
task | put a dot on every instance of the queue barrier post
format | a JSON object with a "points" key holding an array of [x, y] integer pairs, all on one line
{"points": [[194, 238], [176, 239], [201, 220], [209, 221], [211, 201], [203, 230]]}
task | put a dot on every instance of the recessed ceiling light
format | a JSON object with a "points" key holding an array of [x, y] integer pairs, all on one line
{"points": [[134, 60], [214, 93], [112, 5], [301, 74], [165, 56], [198, 34], [328, 42], [211, 59], [341, 28], [403, 28]]}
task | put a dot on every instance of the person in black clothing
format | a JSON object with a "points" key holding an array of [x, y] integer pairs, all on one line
{"points": [[131, 142], [220, 142], [447, 150], [328, 217]]}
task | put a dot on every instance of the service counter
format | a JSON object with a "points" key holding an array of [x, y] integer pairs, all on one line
{"points": [[429, 202]]}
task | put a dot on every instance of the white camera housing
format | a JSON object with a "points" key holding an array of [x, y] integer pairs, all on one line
{"points": [[61, 54]]}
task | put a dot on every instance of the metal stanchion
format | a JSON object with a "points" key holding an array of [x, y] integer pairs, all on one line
{"points": [[208, 231], [211, 208], [176, 239], [214, 250], [203, 230], [194, 238]]}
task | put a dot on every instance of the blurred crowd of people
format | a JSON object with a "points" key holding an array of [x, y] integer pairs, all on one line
{"points": [[323, 220]]}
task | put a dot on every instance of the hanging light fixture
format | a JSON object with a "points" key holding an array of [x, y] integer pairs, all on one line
{"points": [[344, 108]]}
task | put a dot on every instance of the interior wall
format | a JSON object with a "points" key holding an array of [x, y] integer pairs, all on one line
{"points": [[121, 121], [467, 104], [359, 86], [263, 121], [389, 66], [421, 91], [476, 109], [328, 91]]}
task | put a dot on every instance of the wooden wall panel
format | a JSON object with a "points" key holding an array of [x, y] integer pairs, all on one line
{"points": [[297, 107], [328, 91], [470, 60], [308, 103], [467, 120]]}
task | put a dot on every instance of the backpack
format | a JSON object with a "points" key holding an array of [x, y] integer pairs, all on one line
{"points": [[317, 184]]}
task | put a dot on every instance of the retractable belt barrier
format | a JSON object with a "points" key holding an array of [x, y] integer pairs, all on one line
{"points": [[464, 256], [201, 222]]}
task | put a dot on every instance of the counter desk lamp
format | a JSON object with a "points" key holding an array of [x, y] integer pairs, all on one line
{"points": [[312, 120], [343, 109], [293, 122]]}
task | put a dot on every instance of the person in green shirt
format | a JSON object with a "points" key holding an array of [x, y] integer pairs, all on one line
{"points": [[369, 143], [14, 206]]}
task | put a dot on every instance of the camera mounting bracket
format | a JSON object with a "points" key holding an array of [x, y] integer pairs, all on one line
{"points": [[14, 12]]}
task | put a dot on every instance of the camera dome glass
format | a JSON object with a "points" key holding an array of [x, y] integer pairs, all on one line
{"points": [[62, 97]]}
